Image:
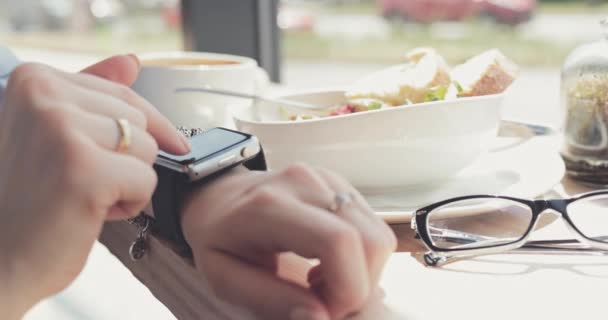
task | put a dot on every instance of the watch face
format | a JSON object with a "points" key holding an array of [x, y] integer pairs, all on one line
{"points": [[207, 144]]}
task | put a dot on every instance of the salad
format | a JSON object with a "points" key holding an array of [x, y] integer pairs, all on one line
{"points": [[425, 77]]}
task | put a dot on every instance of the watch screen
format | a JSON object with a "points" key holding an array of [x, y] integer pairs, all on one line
{"points": [[207, 144]]}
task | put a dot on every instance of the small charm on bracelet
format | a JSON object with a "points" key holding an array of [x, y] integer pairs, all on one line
{"points": [[139, 247]]}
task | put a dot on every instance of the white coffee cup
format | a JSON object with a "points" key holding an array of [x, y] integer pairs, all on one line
{"points": [[164, 72]]}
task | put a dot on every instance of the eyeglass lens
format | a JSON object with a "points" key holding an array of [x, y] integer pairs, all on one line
{"points": [[590, 216], [479, 223]]}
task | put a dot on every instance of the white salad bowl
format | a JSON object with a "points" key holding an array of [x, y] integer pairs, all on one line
{"points": [[380, 149]]}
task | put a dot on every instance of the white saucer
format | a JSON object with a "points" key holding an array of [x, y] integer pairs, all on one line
{"points": [[519, 168]]}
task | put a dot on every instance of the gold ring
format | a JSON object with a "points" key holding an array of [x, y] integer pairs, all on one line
{"points": [[124, 141], [340, 200]]}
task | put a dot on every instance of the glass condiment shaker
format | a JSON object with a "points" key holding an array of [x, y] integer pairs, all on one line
{"points": [[585, 103]]}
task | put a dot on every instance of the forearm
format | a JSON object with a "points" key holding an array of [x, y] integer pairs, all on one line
{"points": [[16, 290], [9, 313], [11, 306]]}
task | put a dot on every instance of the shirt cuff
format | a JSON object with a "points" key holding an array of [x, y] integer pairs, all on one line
{"points": [[8, 62]]}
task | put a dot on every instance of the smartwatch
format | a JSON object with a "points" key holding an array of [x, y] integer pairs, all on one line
{"points": [[213, 152]]}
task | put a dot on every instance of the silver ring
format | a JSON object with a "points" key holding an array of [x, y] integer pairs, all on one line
{"points": [[340, 200]]}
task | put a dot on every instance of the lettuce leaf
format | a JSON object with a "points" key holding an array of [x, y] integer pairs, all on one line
{"points": [[436, 94], [374, 106], [458, 87], [285, 114]]}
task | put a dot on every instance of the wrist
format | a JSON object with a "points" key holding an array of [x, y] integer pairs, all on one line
{"points": [[194, 191], [174, 192], [205, 201]]}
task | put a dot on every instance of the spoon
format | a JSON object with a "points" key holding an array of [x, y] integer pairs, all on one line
{"points": [[530, 128], [289, 103]]}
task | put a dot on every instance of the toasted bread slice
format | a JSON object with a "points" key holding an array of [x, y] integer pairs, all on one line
{"points": [[405, 83], [382, 85], [485, 74], [416, 54], [431, 71]]}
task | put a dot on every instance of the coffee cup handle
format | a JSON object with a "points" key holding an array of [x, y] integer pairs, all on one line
{"points": [[262, 81]]}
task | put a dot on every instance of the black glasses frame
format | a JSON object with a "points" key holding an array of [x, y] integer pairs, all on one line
{"points": [[537, 207]]}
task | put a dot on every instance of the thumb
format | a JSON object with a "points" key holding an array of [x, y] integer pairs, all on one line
{"points": [[121, 69]]}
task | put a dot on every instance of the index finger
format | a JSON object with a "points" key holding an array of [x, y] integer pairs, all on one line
{"points": [[120, 69], [163, 131]]}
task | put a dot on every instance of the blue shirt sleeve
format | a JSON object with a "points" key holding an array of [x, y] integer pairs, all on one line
{"points": [[8, 62]]}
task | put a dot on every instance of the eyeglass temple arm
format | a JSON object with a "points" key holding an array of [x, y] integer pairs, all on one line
{"points": [[562, 246], [433, 260], [466, 238]]}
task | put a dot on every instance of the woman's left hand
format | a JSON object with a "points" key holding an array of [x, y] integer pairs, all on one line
{"points": [[239, 224], [62, 173]]}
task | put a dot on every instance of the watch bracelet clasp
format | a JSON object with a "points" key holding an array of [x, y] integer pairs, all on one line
{"points": [[190, 132]]}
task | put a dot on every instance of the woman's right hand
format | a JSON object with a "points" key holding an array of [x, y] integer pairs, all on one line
{"points": [[60, 174]]}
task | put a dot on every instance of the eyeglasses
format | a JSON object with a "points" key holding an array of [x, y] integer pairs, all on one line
{"points": [[484, 224]]}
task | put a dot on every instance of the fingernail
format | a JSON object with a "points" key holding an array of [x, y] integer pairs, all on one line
{"points": [[135, 58], [307, 314], [185, 142]]}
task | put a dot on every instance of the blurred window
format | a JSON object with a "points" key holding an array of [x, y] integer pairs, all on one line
{"points": [[533, 33], [91, 26]]}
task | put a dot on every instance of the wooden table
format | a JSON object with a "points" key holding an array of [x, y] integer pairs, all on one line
{"points": [[492, 287]]}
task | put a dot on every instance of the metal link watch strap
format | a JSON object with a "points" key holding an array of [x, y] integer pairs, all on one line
{"points": [[190, 132]]}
